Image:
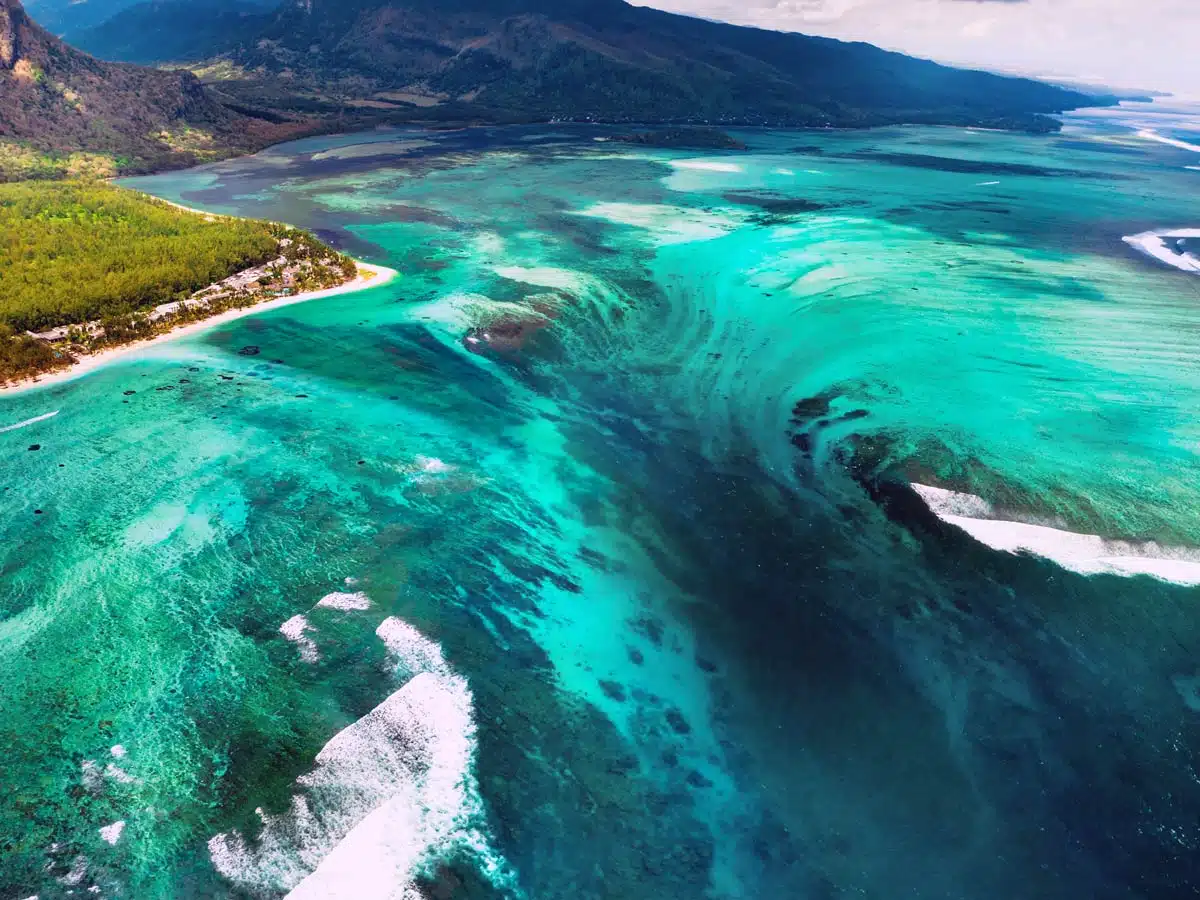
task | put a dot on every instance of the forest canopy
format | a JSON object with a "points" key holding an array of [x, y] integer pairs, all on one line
{"points": [[72, 252]]}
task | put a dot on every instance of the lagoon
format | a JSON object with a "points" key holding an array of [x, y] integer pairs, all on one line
{"points": [[581, 560]]}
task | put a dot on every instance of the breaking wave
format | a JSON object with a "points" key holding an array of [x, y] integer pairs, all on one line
{"points": [[1087, 554], [1157, 244], [389, 798]]}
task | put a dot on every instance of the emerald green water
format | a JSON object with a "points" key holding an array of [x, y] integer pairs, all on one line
{"points": [[607, 494]]}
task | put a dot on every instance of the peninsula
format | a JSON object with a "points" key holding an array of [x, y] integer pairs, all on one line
{"points": [[89, 270]]}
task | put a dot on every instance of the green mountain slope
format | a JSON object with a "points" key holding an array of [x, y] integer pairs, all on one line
{"points": [[599, 59], [63, 111]]}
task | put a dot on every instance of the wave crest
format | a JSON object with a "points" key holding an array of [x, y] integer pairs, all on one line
{"points": [[389, 796]]}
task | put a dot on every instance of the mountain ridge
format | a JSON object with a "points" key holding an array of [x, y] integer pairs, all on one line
{"points": [[62, 110], [319, 65], [603, 60]]}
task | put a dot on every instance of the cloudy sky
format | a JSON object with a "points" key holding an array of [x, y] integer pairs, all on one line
{"points": [[1151, 44]]}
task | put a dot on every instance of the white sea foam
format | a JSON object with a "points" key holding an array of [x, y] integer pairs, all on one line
{"points": [[705, 165], [460, 312], [112, 833], [1152, 135], [668, 224], [1088, 554], [345, 602], [119, 751], [116, 773], [583, 288], [388, 795], [296, 630], [91, 775], [1192, 168], [412, 651], [432, 465], [986, 183], [79, 868], [29, 422], [545, 276], [1154, 244]]}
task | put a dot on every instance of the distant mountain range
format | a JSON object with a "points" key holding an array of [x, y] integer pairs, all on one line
{"points": [[573, 59], [318, 64]]}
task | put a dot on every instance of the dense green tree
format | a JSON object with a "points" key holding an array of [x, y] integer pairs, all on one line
{"points": [[76, 252], [71, 252]]}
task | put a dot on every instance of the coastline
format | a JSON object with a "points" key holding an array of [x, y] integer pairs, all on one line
{"points": [[368, 276]]}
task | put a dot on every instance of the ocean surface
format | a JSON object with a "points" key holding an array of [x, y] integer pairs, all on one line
{"points": [[584, 560]]}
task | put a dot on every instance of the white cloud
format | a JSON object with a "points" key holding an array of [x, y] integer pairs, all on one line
{"points": [[978, 29], [1126, 43]]}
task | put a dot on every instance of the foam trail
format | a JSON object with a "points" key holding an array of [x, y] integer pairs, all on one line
{"points": [[29, 422], [1152, 135], [1087, 554], [704, 165], [1152, 243], [388, 796]]}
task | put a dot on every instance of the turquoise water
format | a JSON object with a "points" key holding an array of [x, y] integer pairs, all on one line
{"points": [[598, 524]]}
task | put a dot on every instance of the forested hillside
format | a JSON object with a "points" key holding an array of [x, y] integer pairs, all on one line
{"points": [[75, 251], [118, 266], [528, 60], [63, 112]]}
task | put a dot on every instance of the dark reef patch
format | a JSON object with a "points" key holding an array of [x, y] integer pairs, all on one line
{"points": [[978, 167]]}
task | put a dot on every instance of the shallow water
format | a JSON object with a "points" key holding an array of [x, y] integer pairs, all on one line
{"points": [[580, 561]]}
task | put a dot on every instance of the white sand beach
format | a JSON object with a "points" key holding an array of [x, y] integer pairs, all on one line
{"points": [[368, 276]]}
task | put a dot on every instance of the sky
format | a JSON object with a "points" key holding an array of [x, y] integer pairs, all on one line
{"points": [[1141, 44]]}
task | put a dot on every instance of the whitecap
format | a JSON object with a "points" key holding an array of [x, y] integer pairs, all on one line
{"points": [[1152, 135], [29, 422], [388, 795], [112, 833], [1087, 554], [986, 183], [432, 465], [413, 652], [116, 773], [79, 868], [705, 165], [295, 630], [1154, 244], [344, 602]]}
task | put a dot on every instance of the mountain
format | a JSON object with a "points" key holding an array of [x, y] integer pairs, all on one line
{"points": [[167, 30], [64, 111], [573, 59], [59, 16]]}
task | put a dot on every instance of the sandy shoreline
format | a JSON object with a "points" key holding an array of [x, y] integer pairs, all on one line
{"points": [[369, 276]]}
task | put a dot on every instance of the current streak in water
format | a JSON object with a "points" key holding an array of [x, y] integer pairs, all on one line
{"points": [[582, 562]]}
